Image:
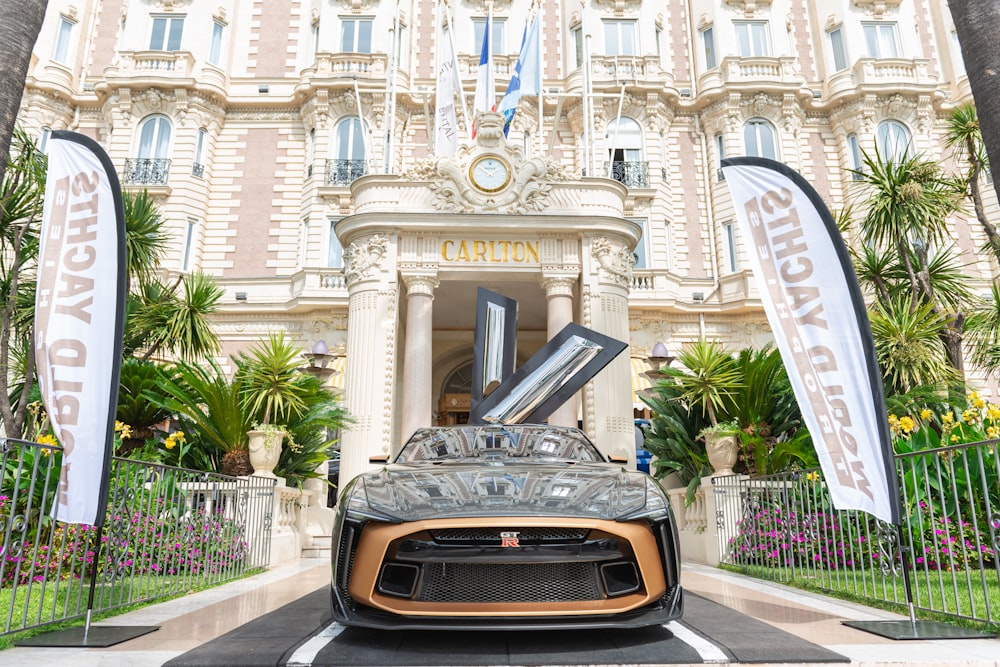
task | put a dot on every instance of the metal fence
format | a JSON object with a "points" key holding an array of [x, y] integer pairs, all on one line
{"points": [[784, 528], [168, 531]]}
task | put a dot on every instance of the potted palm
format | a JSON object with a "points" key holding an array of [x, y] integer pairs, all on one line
{"points": [[709, 382], [273, 390]]}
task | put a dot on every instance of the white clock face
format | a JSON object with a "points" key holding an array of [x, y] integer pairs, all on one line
{"points": [[490, 174]]}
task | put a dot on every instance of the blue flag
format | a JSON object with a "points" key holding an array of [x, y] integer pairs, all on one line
{"points": [[526, 79]]}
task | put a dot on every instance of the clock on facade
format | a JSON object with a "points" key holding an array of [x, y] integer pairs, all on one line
{"points": [[489, 173]]}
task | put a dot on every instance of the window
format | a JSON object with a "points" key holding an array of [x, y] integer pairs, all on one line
{"points": [[729, 230], [356, 35], [751, 38], [215, 50], [498, 30], [759, 139], [659, 47], [720, 154], [348, 160], [334, 252], [620, 38], [838, 48], [855, 152], [641, 252], [43, 140], [310, 151], [303, 243], [314, 35], [199, 154], [578, 43], [892, 139], [187, 257], [166, 35], [956, 50], [708, 46], [625, 153], [63, 39], [882, 40], [152, 156]]}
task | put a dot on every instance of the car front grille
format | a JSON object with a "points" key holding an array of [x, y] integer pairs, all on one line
{"points": [[506, 582], [491, 535]]}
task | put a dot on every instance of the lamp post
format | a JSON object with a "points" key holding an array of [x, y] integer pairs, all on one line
{"points": [[659, 357], [319, 361]]}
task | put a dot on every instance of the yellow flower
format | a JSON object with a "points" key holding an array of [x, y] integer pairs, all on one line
{"points": [[174, 439], [948, 417], [48, 439], [812, 477], [992, 432], [906, 424], [954, 438], [123, 430], [970, 416], [993, 412], [925, 414]]}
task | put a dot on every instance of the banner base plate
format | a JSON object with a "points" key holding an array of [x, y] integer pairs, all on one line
{"points": [[917, 630], [100, 636]]}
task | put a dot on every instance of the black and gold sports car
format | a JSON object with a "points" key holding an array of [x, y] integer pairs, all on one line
{"points": [[504, 527]]}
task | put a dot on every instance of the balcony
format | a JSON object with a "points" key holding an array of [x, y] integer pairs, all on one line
{"points": [[146, 171], [881, 74], [344, 172], [629, 174], [758, 73]]}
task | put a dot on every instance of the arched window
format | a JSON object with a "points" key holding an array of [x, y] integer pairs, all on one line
{"points": [[152, 159], [759, 139], [198, 169], [348, 162], [892, 140], [624, 139], [855, 153]]}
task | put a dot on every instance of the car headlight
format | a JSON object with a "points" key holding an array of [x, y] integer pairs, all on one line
{"points": [[357, 507], [657, 504]]}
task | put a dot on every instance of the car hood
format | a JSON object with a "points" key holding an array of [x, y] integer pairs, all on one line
{"points": [[411, 492]]}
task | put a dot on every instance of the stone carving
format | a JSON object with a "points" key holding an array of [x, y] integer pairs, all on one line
{"points": [[363, 259], [615, 261]]}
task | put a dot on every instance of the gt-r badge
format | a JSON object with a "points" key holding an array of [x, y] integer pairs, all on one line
{"points": [[509, 539]]}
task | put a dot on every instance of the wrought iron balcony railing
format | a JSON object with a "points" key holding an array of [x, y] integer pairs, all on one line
{"points": [[146, 171], [344, 172], [198, 170], [630, 174]]}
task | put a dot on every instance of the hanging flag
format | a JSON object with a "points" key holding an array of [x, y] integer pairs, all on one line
{"points": [[79, 318], [486, 87], [820, 323], [446, 122], [526, 79]]}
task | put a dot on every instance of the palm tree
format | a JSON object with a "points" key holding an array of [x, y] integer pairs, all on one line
{"points": [[966, 137], [711, 378], [145, 237], [977, 25], [21, 191], [20, 23], [162, 321], [906, 203], [909, 346], [274, 386]]}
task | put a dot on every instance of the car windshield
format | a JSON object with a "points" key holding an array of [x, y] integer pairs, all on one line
{"points": [[515, 440]]}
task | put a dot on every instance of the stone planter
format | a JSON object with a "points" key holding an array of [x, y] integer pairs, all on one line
{"points": [[265, 450], [722, 450]]}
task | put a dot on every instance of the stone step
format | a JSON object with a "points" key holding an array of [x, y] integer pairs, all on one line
{"points": [[320, 547]]}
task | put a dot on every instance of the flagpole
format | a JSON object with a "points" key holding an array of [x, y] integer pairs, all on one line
{"points": [[587, 97], [541, 78], [361, 121], [614, 137], [437, 70], [458, 79], [389, 150]]}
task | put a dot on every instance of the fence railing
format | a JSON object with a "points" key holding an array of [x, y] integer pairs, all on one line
{"points": [[784, 528], [168, 530]]}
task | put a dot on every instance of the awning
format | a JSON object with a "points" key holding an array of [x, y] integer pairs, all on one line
{"points": [[640, 381], [337, 381]]}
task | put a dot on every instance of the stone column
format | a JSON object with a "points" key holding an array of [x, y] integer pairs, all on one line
{"points": [[609, 276], [371, 342], [418, 401], [559, 295]]}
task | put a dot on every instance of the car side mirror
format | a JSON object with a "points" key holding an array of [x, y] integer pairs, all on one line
{"points": [[379, 459]]}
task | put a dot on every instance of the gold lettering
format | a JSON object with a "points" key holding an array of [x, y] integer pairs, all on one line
{"points": [[463, 252], [444, 251], [506, 249], [478, 250], [533, 251], [518, 254]]}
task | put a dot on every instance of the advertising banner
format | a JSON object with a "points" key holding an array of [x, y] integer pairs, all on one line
{"points": [[79, 317], [818, 316]]}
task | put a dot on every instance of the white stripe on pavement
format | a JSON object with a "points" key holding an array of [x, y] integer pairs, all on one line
{"points": [[708, 651], [305, 654]]}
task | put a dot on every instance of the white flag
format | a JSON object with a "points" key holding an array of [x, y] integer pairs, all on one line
{"points": [[820, 323], [79, 315], [446, 122]]}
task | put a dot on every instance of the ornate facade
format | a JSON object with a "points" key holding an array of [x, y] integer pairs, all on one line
{"points": [[289, 144]]}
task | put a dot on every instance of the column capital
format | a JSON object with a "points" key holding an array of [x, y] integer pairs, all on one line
{"points": [[558, 285], [364, 259], [420, 283]]}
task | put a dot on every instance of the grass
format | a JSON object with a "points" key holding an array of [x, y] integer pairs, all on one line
{"points": [[968, 598], [69, 602]]}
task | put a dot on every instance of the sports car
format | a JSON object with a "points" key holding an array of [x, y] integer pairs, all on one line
{"points": [[504, 527]]}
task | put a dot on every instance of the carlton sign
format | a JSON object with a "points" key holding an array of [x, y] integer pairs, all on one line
{"points": [[491, 251]]}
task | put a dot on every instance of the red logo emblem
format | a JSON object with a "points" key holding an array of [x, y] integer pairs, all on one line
{"points": [[509, 539]]}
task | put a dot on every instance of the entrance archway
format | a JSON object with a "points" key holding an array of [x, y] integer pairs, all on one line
{"points": [[456, 396]]}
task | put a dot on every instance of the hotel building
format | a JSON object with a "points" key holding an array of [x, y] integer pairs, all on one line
{"points": [[290, 147]]}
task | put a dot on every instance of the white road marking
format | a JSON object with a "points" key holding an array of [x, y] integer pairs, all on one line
{"points": [[708, 651], [305, 654]]}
